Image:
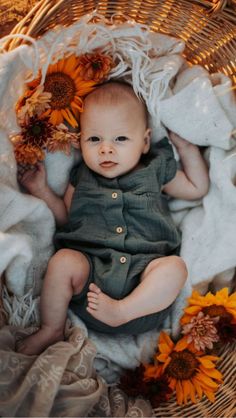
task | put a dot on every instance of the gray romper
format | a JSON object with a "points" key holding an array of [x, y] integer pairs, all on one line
{"points": [[121, 225]]}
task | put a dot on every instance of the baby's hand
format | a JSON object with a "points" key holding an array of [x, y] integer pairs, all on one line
{"points": [[34, 180], [178, 141]]}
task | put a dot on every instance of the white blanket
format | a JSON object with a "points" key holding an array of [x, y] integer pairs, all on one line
{"points": [[198, 106]]}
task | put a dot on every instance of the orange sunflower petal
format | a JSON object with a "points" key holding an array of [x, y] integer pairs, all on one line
{"points": [[197, 301], [231, 304], [232, 297], [185, 319], [152, 371], [75, 106], [70, 64], [196, 294], [56, 117], [164, 348], [198, 387], [206, 362], [162, 358], [222, 294], [165, 339], [181, 344], [76, 113], [67, 114], [215, 374], [84, 87], [192, 392], [186, 390], [179, 392], [192, 310], [166, 363], [172, 383], [213, 358], [206, 380], [210, 395]]}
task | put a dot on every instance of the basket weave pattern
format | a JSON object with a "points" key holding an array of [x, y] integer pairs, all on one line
{"points": [[207, 27]]}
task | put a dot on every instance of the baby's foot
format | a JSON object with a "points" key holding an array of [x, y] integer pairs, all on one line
{"points": [[105, 309], [38, 342]]}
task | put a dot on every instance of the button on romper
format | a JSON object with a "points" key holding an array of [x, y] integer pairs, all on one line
{"points": [[121, 225]]}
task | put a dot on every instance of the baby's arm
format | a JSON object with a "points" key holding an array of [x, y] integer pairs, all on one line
{"points": [[193, 182], [35, 182]]}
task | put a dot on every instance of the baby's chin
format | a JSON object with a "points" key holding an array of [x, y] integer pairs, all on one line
{"points": [[113, 172]]}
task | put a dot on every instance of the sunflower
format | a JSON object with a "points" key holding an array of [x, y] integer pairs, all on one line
{"points": [[94, 66], [66, 87], [188, 372], [220, 304]]}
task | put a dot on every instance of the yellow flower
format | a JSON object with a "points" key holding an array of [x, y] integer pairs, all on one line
{"points": [[189, 372], [220, 304], [66, 87]]}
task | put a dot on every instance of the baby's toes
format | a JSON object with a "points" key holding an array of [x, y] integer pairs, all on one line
{"points": [[92, 298], [92, 295], [92, 305], [94, 288]]}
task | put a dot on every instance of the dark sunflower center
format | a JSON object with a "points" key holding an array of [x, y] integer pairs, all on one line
{"points": [[36, 130], [183, 365], [97, 65], [62, 88], [216, 310]]}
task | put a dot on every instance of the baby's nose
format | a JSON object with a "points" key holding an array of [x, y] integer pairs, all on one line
{"points": [[106, 149]]}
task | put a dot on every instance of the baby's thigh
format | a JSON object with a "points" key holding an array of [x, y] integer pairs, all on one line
{"points": [[172, 267]]}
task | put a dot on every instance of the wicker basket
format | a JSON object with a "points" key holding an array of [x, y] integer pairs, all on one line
{"points": [[208, 28]]}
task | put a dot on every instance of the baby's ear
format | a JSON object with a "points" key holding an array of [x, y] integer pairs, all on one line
{"points": [[147, 141]]}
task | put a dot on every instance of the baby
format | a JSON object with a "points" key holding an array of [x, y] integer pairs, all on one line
{"points": [[117, 265]]}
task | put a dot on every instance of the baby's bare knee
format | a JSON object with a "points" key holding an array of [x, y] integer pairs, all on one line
{"points": [[70, 267], [66, 260], [179, 269]]}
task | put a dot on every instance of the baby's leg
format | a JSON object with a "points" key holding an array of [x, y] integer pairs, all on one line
{"points": [[160, 284], [66, 275]]}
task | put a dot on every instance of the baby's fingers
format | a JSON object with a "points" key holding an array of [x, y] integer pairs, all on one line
{"points": [[40, 167], [26, 175]]}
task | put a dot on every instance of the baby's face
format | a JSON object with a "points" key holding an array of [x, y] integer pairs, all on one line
{"points": [[113, 137]]}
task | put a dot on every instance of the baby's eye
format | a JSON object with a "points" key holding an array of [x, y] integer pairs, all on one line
{"points": [[121, 138], [94, 139]]}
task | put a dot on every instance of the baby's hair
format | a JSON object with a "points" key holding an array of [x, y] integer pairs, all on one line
{"points": [[115, 92]]}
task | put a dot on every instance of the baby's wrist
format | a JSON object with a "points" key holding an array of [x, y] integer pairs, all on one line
{"points": [[43, 192]]}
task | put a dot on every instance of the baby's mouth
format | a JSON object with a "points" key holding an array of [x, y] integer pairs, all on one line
{"points": [[108, 164]]}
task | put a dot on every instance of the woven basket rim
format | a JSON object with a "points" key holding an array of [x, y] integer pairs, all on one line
{"points": [[208, 27]]}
